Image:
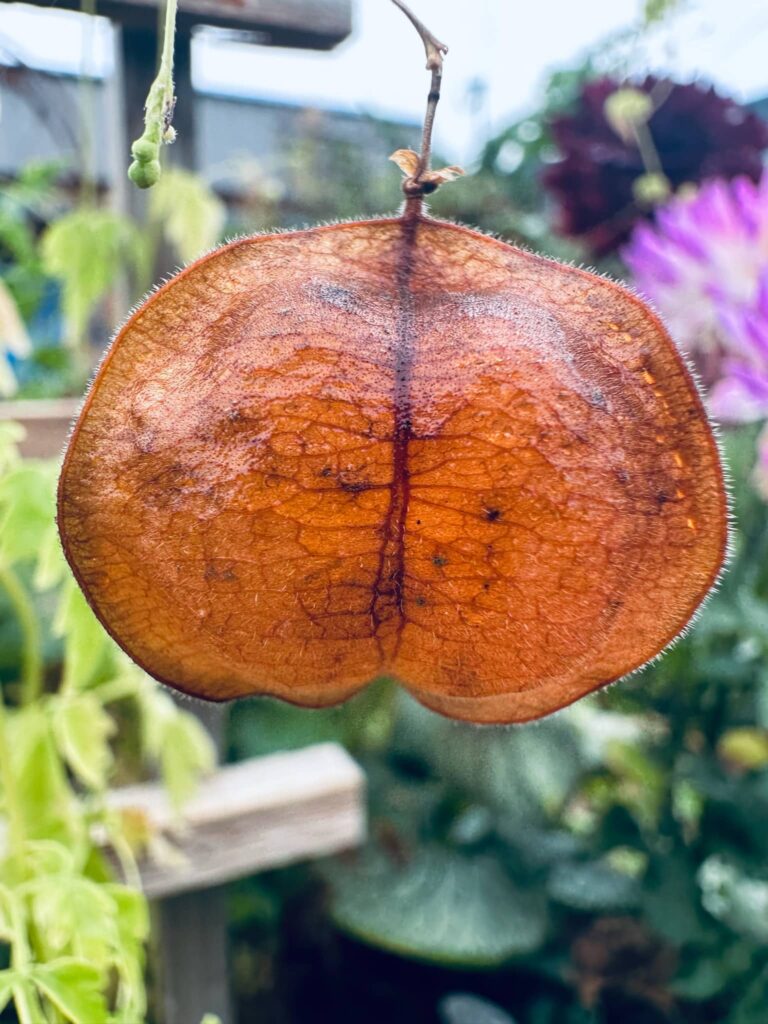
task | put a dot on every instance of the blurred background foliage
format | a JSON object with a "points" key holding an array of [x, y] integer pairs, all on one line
{"points": [[609, 864]]}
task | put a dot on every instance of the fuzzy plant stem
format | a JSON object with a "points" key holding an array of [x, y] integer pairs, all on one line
{"points": [[158, 111], [32, 658]]}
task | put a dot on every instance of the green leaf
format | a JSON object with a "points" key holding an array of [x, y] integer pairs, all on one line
{"points": [[459, 1008], [75, 916], [655, 11], [526, 772], [51, 566], [26, 509], [43, 793], [6, 915], [26, 1002], [191, 214], [735, 898], [441, 906], [82, 729], [7, 980], [45, 857], [85, 250], [592, 887], [671, 902], [75, 988], [11, 434], [186, 754], [85, 641]]}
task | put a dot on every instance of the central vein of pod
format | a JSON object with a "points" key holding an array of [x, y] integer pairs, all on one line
{"points": [[387, 605]]}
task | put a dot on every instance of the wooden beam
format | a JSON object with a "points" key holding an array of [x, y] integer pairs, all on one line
{"points": [[263, 813], [305, 24]]}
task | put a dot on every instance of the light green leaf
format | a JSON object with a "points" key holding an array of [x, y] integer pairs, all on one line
{"points": [[85, 250], [26, 509], [26, 1002], [6, 915], [75, 916], [10, 435], [132, 913], [43, 792], [75, 988], [46, 857], [186, 754], [82, 729], [191, 214], [85, 641], [655, 11], [51, 566]]}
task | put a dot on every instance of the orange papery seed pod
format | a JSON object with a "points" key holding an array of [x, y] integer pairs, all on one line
{"points": [[394, 447]]}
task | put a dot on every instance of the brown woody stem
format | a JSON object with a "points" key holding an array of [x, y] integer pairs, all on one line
{"points": [[435, 51]]}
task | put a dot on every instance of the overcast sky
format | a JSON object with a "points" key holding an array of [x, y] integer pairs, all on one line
{"points": [[507, 45]]}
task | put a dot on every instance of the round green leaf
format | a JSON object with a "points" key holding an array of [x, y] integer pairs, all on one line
{"points": [[441, 906]]}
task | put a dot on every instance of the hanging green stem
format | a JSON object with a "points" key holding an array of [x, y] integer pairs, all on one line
{"points": [[158, 112], [32, 658]]}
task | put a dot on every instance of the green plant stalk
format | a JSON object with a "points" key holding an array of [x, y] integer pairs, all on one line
{"points": [[16, 831], [145, 169], [26, 999], [32, 660]]}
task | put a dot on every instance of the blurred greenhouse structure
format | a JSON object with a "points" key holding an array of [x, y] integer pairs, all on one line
{"points": [[375, 861]]}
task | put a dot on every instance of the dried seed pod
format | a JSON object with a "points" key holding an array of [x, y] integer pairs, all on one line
{"points": [[395, 447]]}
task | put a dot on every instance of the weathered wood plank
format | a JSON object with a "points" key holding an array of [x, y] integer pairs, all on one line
{"points": [[47, 423], [307, 24], [263, 813]]}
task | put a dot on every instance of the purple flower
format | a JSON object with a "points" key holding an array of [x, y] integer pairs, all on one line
{"points": [[704, 265]]}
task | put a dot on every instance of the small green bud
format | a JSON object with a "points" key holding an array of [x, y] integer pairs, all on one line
{"points": [[144, 175], [651, 189], [143, 150], [627, 108]]}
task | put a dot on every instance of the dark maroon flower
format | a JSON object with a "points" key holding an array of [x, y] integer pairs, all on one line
{"points": [[697, 134]]}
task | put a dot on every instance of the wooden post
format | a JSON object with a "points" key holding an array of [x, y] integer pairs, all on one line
{"points": [[259, 814], [193, 971]]}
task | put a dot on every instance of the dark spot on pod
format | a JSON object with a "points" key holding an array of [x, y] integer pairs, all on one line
{"points": [[354, 486], [492, 514], [622, 476], [213, 573], [326, 471], [439, 561], [420, 601]]}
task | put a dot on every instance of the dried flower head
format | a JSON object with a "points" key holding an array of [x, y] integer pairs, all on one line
{"points": [[598, 183]]}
